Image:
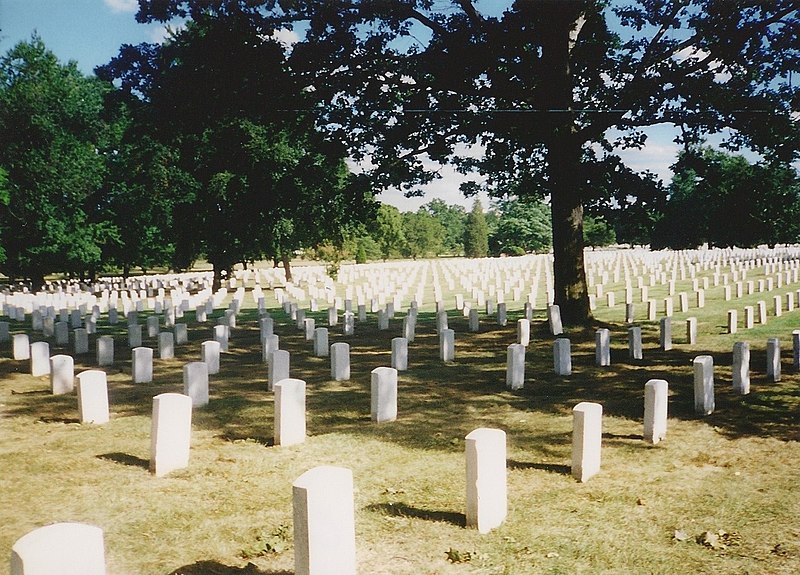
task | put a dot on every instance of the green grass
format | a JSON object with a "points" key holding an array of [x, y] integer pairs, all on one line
{"points": [[735, 470]]}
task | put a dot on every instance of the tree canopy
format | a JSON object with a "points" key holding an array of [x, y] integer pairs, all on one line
{"points": [[537, 86]]}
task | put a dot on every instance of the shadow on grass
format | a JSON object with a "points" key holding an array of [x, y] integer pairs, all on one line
{"points": [[437, 403], [549, 467], [216, 568], [125, 459], [403, 510]]}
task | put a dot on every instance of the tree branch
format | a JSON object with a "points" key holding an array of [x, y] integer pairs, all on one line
{"points": [[471, 12]]}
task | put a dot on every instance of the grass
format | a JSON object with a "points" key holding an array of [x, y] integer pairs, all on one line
{"points": [[733, 471]]}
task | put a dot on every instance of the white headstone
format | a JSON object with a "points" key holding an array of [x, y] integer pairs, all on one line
{"points": [[587, 435], [400, 353], [60, 548], [134, 335], [93, 396], [221, 334], [703, 384], [515, 366], [171, 432], [142, 364], [209, 354], [340, 361], [741, 367], [195, 382], [40, 358], [278, 368], [166, 345], [321, 342], [665, 333], [554, 319], [691, 330], [62, 374], [773, 359], [383, 388], [562, 356], [523, 332], [487, 498], [21, 347], [181, 334], [324, 522], [635, 342], [447, 345], [655, 410], [602, 347], [290, 411]]}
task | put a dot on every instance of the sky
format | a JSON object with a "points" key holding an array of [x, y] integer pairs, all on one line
{"points": [[90, 32]]}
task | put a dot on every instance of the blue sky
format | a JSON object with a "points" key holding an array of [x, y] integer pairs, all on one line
{"points": [[90, 32]]}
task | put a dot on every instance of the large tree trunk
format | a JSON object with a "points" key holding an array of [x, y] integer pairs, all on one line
{"points": [[564, 150], [287, 267], [569, 275]]}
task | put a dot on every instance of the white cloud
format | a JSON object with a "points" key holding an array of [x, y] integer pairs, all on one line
{"points": [[159, 34], [122, 5]]}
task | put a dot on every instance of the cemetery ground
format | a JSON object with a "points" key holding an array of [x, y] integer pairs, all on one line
{"points": [[719, 495]]}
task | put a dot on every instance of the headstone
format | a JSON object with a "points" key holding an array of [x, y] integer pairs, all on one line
{"points": [[321, 342], [630, 313], [195, 382], [515, 366], [134, 335], [349, 325], [142, 364], [269, 344], [5, 331], [400, 353], [655, 410], [602, 347], [81, 343], [441, 321], [587, 434], [474, 320], [487, 491], [290, 411], [309, 325], [773, 359], [796, 349], [171, 432], [40, 358], [691, 330], [62, 374], [383, 398], [93, 396], [21, 347], [635, 342], [447, 345], [333, 317], [554, 319], [562, 356], [166, 345], [221, 333], [153, 327], [502, 314], [703, 384], [732, 321], [209, 354], [278, 368], [665, 333], [340, 361], [741, 367], [61, 333], [60, 548], [181, 334], [749, 317], [324, 522], [523, 332], [383, 320]]}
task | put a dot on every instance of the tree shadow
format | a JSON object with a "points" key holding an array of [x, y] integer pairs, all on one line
{"points": [[549, 467], [216, 568], [125, 459], [403, 510]]}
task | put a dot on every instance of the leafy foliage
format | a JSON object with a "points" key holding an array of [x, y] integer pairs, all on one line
{"points": [[476, 233], [522, 227]]}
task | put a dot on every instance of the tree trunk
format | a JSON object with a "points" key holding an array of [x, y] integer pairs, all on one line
{"points": [[569, 274], [216, 283], [287, 266], [564, 150]]}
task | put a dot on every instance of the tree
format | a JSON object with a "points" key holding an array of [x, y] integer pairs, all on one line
{"points": [[452, 218], [597, 232], [476, 233], [724, 200], [412, 83], [260, 180], [423, 234], [388, 232], [51, 129], [522, 227]]}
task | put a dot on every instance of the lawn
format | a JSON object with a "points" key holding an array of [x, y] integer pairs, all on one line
{"points": [[719, 495]]}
